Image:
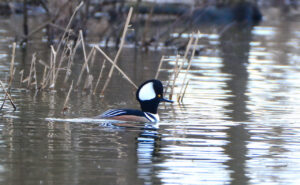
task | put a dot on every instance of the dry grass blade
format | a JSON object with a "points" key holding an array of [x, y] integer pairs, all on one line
{"points": [[120, 70], [8, 95], [119, 51]]}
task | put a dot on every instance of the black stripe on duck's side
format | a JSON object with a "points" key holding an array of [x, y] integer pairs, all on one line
{"points": [[128, 115]]}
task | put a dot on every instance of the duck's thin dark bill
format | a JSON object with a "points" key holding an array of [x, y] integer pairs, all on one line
{"points": [[166, 100]]}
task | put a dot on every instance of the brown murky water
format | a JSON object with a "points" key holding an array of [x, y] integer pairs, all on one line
{"points": [[239, 123]]}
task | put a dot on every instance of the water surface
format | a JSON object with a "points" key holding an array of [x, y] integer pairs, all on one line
{"points": [[238, 124]]}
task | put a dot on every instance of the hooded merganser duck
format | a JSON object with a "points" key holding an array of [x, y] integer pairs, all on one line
{"points": [[149, 95]]}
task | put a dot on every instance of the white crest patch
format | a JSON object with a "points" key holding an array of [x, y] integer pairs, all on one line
{"points": [[147, 92]]}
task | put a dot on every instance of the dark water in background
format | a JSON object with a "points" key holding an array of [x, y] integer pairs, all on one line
{"points": [[239, 123]]}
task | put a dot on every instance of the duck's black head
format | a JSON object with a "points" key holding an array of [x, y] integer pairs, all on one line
{"points": [[150, 94]]}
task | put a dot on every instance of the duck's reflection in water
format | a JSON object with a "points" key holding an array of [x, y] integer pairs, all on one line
{"points": [[148, 145]]}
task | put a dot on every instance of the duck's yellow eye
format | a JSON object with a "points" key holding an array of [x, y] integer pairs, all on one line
{"points": [[159, 95]]}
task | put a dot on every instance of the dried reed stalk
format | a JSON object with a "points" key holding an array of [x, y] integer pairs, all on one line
{"points": [[88, 82], [159, 66], [180, 98], [175, 72], [52, 67], [31, 69], [63, 54], [44, 77], [71, 59], [100, 75], [67, 98], [119, 51], [117, 67], [21, 76], [8, 96], [34, 74], [189, 66], [185, 54], [93, 58], [85, 65], [12, 68]]}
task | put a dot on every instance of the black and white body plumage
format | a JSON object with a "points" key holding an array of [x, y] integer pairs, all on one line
{"points": [[149, 95]]}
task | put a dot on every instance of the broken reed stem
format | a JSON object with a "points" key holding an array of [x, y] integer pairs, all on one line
{"points": [[52, 67], [88, 82], [71, 59], [93, 58], [180, 98], [100, 75], [117, 67], [119, 51], [189, 64], [63, 55], [34, 74], [186, 53], [67, 98], [175, 72], [8, 95], [31, 69], [12, 63], [21, 76], [44, 76], [84, 51], [85, 66], [159, 66]]}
